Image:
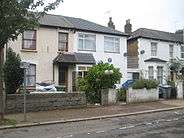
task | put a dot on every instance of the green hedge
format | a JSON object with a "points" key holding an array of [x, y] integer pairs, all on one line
{"points": [[142, 83]]}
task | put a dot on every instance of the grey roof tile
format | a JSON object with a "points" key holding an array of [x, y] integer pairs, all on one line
{"points": [[155, 34], [77, 23], [75, 58]]}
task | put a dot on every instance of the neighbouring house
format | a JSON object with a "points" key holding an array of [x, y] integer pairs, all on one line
{"points": [[148, 52], [63, 48]]}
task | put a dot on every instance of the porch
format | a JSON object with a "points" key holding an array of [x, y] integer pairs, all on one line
{"points": [[67, 67]]}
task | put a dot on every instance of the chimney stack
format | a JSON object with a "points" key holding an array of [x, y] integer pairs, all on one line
{"points": [[180, 34], [110, 23], [128, 27]]}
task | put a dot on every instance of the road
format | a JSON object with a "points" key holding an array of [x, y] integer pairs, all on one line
{"points": [[168, 124]]}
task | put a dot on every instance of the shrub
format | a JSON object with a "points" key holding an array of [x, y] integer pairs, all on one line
{"points": [[151, 84], [139, 84], [96, 80], [142, 83], [121, 94], [13, 74]]}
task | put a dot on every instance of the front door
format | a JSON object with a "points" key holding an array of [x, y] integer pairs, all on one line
{"points": [[63, 76]]}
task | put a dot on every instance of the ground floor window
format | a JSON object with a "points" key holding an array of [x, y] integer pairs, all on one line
{"points": [[150, 73], [31, 75], [160, 74], [82, 71]]}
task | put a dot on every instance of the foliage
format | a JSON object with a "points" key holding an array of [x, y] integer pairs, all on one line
{"points": [[13, 74], [96, 80], [8, 122], [121, 94], [143, 83], [139, 84], [177, 66], [16, 16], [151, 84]]}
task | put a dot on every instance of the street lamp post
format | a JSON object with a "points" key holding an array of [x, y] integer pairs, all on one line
{"points": [[24, 66]]}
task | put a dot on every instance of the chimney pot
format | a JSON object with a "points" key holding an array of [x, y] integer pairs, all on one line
{"points": [[128, 27], [110, 23]]}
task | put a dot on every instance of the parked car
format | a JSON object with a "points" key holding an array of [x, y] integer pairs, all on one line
{"points": [[127, 84], [45, 87]]}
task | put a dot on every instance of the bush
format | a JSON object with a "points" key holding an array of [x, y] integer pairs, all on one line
{"points": [[142, 83], [96, 80], [151, 84], [139, 84], [13, 74], [121, 94]]}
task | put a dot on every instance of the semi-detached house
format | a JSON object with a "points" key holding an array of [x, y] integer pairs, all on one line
{"points": [[64, 48], [149, 52]]}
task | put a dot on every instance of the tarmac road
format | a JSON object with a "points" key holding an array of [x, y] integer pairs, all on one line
{"points": [[169, 124]]}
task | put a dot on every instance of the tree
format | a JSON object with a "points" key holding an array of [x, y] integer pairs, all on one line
{"points": [[16, 16], [13, 74], [97, 79]]}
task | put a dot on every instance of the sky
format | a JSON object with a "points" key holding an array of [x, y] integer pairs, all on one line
{"points": [[165, 15]]}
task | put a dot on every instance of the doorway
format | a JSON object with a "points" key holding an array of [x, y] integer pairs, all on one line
{"points": [[63, 76]]}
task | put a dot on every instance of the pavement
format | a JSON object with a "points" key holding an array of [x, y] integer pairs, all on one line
{"points": [[94, 112], [167, 124]]}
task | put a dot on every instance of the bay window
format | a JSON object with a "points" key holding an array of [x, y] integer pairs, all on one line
{"points": [[160, 74], [150, 73]]}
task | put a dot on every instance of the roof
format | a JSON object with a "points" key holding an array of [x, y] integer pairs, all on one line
{"points": [[154, 60], [75, 58], [77, 24], [157, 35]]}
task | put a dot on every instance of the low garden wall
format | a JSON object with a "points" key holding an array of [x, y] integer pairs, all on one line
{"points": [[108, 96], [44, 101], [141, 95]]}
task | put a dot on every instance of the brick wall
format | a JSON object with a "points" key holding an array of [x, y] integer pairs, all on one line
{"points": [[45, 101]]}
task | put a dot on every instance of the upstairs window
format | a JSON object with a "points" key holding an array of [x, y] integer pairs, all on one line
{"points": [[29, 40], [171, 51], [153, 49], [182, 51], [87, 42], [62, 42], [31, 75], [111, 44], [150, 73]]}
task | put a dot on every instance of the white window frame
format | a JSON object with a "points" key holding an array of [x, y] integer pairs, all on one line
{"points": [[114, 44], [86, 68], [83, 42], [31, 75], [154, 47], [171, 50], [150, 73], [182, 52]]}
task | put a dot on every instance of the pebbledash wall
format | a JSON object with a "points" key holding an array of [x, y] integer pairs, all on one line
{"points": [[45, 101]]}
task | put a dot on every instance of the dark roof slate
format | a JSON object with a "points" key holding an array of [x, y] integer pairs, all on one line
{"points": [[154, 60], [77, 24], [155, 34], [75, 58]]}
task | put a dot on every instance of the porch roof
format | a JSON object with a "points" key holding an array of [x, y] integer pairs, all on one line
{"points": [[75, 58], [154, 60]]}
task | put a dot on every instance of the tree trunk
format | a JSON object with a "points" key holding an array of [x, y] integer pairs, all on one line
{"points": [[1, 84]]}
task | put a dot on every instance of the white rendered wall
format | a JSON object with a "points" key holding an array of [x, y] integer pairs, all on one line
{"points": [[118, 60]]}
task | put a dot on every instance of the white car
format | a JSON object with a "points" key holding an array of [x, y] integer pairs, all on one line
{"points": [[45, 87]]}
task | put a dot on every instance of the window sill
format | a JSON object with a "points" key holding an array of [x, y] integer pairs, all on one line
{"points": [[27, 50], [87, 50], [112, 52]]}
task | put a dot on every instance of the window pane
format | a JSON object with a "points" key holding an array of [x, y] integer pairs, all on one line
{"points": [[29, 44], [153, 49], [160, 74], [150, 72], [87, 42], [182, 48], [29, 34], [111, 44], [171, 50], [31, 75]]}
